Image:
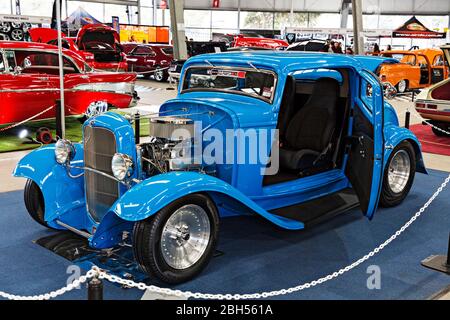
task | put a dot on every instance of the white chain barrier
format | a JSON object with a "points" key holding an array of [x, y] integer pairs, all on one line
{"points": [[428, 123], [101, 274], [26, 120], [143, 72]]}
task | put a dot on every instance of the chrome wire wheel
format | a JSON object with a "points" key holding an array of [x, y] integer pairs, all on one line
{"points": [[185, 236], [5, 27], [399, 171]]}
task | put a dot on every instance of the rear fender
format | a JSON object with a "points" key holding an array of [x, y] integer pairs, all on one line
{"points": [[62, 194], [148, 197], [394, 135]]}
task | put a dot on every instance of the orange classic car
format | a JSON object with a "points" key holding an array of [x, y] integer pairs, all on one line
{"points": [[417, 69]]}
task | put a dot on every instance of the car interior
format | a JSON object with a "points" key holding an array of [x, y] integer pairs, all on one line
{"points": [[312, 124]]}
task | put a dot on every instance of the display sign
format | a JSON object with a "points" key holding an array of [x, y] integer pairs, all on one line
{"points": [[414, 29], [144, 34], [115, 23], [322, 33], [21, 19]]}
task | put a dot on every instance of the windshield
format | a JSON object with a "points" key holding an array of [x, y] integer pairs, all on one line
{"points": [[259, 84]]}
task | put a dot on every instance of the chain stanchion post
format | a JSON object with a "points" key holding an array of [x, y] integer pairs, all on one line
{"points": [[59, 131], [95, 289], [137, 127], [407, 119], [439, 263]]}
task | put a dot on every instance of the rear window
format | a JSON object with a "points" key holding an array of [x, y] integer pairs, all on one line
{"points": [[168, 51], [259, 84]]}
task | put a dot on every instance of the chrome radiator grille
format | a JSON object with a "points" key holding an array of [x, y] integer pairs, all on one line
{"points": [[101, 191]]}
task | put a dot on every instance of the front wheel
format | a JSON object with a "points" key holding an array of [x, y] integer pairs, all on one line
{"points": [[178, 242], [34, 202], [398, 175]]}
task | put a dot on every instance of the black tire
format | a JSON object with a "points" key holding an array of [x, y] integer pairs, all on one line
{"points": [[442, 126], [162, 76], [388, 197], [147, 241], [34, 202]]}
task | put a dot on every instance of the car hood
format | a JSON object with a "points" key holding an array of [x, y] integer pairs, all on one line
{"points": [[373, 63]]}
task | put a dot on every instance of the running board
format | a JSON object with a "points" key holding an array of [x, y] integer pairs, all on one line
{"points": [[320, 209], [84, 234]]}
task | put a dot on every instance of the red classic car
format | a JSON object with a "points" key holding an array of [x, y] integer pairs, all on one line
{"points": [[104, 43], [29, 82], [267, 43], [150, 57]]}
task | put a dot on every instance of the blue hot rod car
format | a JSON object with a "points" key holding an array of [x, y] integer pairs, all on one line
{"points": [[332, 143]]}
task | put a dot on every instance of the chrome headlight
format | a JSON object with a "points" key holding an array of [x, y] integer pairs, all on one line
{"points": [[121, 166], [64, 151]]}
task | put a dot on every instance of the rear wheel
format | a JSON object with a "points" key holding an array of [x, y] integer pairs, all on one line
{"points": [[161, 75], [437, 127], [34, 202], [178, 242], [398, 175], [402, 86]]}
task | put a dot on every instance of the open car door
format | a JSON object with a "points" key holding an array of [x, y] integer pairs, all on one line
{"points": [[365, 145]]}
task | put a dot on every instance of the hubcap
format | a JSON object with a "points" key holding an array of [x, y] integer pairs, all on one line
{"points": [[402, 86], [159, 75], [185, 236], [399, 171]]}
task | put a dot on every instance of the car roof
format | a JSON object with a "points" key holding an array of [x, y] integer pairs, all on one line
{"points": [[40, 46], [281, 59]]}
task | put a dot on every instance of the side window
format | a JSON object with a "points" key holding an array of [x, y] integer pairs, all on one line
{"points": [[42, 62], [10, 57], [422, 61], [142, 50], [366, 95], [2, 64], [438, 61]]}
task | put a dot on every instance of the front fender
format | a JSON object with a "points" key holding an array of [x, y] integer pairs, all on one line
{"points": [[148, 197], [62, 194], [394, 135]]}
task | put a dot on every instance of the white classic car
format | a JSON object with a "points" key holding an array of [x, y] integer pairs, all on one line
{"points": [[433, 103]]}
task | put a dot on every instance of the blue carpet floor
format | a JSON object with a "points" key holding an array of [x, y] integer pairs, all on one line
{"points": [[261, 257]]}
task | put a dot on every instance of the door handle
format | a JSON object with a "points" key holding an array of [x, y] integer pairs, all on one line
{"points": [[43, 78]]}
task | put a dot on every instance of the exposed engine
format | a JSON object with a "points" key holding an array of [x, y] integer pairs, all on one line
{"points": [[171, 146]]}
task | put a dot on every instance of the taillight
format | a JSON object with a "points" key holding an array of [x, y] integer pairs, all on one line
{"points": [[432, 106], [420, 105]]}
